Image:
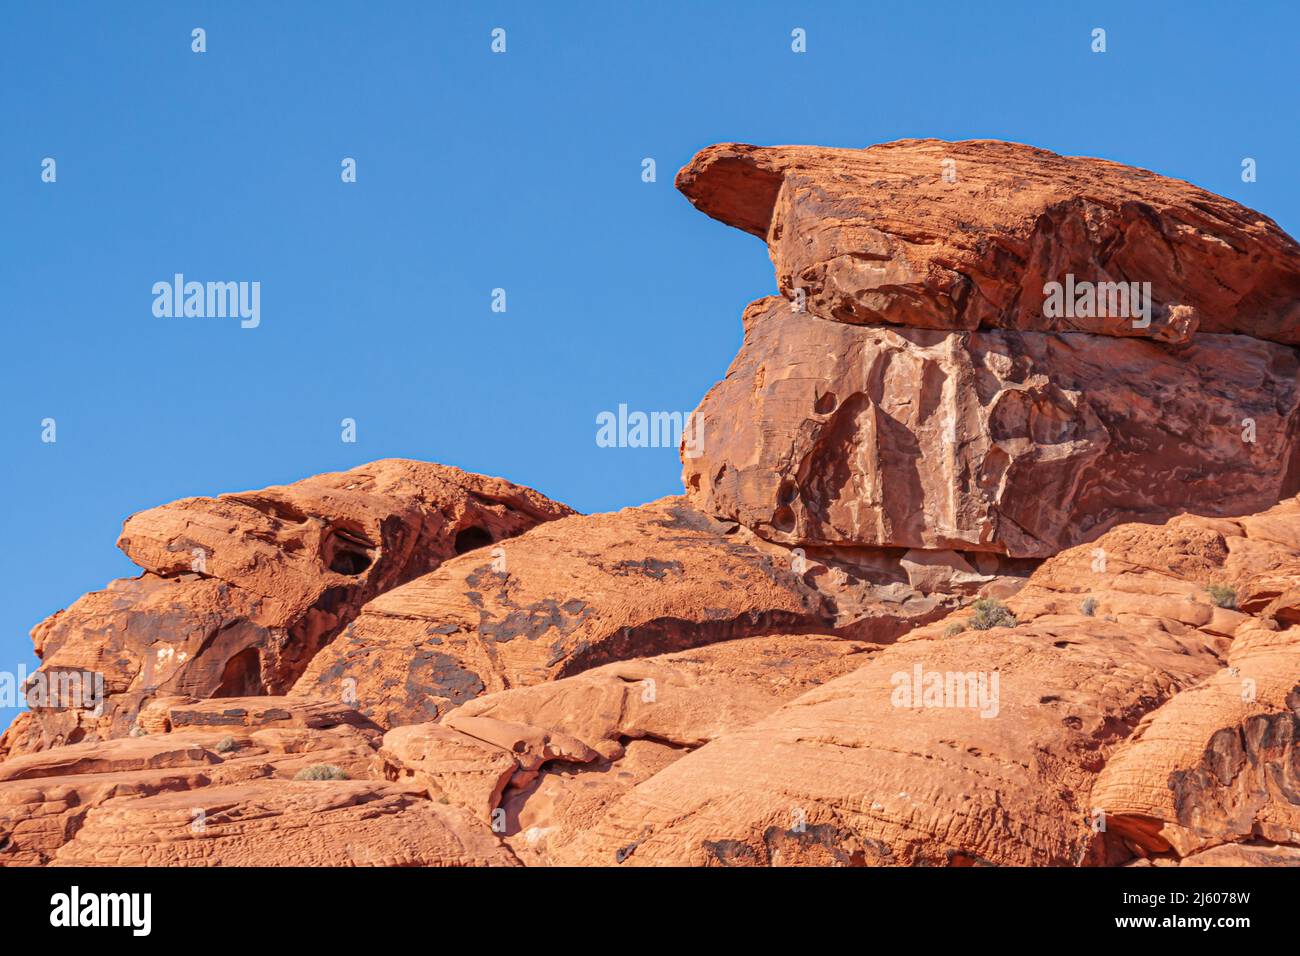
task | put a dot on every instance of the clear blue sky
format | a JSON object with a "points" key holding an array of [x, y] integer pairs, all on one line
{"points": [[478, 171]]}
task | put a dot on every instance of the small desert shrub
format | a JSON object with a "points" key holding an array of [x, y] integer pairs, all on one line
{"points": [[990, 612], [1222, 596], [138, 731], [1089, 606], [321, 771], [225, 745], [953, 629]]}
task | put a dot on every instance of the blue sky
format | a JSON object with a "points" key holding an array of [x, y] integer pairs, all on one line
{"points": [[477, 171]]}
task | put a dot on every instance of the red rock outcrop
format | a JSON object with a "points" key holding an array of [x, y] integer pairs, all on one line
{"points": [[849, 774], [284, 823], [240, 591], [1219, 763], [542, 762], [829, 434], [408, 665], [45, 796], [913, 760], [1107, 726], [561, 599], [965, 235], [1112, 733]]}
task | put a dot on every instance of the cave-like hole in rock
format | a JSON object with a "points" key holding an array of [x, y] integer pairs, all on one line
{"points": [[349, 562], [242, 676], [783, 519], [471, 538], [347, 552]]}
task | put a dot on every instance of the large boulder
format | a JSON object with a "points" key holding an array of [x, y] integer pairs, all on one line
{"points": [[966, 235], [241, 591], [1023, 443]]}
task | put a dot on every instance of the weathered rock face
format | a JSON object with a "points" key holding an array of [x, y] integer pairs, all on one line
{"points": [[1023, 443], [544, 761], [285, 823], [45, 797], [1111, 703], [965, 235], [561, 599], [1117, 696], [852, 774], [241, 591], [408, 665], [1220, 763]]}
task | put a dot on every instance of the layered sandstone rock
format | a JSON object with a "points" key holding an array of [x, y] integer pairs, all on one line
{"points": [[405, 664], [949, 368], [542, 762], [241, 591], [45, 797], [1221, 762], [853, 774], [1107, 726], [965, 235], [283, 823], [1113, 731], [827, 434], [559, 600], [1167, 570]]}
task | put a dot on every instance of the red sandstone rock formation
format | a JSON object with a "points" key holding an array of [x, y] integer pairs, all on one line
{"points": [[1114, 711], [941, 235], [327, 823], [405, 664], [557, 601], [913, 387], [826, 434], [241, 591]]}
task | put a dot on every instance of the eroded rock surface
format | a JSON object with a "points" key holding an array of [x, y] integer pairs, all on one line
{"points": [[283, 823], [1023, 443], [849, 774], [240, 591], [1111, 688], [964, 235], [45, 796], [1221, 762], [557, 601], [543, 762]]}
